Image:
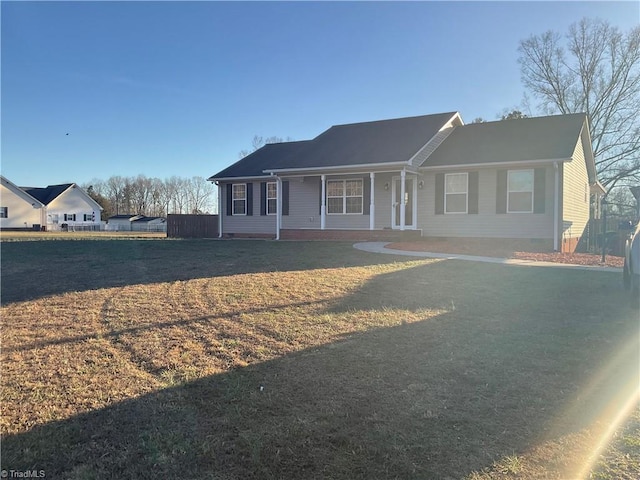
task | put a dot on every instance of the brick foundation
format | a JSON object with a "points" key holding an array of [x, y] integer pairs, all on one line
{"points": [[352, 235]]}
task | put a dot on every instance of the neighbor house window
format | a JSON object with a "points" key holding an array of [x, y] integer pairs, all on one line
{"points": [[239, 199], [456, 192], [4, 212], [520, 191], [69, 217], [272, 198], [344, 196]]}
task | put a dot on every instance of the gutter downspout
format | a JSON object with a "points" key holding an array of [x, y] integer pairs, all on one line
{"points": [[219, 209], [279, 205], [556, 209], [372, 206]]}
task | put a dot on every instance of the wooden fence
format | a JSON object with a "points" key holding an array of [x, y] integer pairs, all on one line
{"points": [[192, 226]]}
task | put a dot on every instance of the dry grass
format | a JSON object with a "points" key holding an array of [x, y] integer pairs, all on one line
{"points": [[210, 359]]}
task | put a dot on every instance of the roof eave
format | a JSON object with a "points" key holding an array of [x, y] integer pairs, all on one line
{"points": [[231, 179], [315, 170], [495, 164]]}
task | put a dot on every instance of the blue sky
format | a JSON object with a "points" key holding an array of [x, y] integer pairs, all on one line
{"points": [[179, 88]]}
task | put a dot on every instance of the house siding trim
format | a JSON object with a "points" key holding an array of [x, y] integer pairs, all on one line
{"points": [[508, 165]]}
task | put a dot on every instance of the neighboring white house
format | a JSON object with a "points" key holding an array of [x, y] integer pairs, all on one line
{"points": [[18, 209], [55, 207]]}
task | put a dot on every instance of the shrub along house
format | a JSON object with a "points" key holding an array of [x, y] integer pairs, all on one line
{"points": [[519, 180]]}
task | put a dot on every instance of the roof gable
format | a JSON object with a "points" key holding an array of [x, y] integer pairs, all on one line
{"points": [[21, 193], [519, 140]]}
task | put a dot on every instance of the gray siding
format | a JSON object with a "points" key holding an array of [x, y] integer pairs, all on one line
{"points": [[304, 198], [486, 223], [247, 224]]}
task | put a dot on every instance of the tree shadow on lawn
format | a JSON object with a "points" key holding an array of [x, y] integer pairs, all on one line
{"points": [[438, 398], [32, 270]]}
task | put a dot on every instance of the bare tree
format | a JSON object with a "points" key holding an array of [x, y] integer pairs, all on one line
{"points": [[114, 190], [201, 193], [259, 142], [597, 71]]}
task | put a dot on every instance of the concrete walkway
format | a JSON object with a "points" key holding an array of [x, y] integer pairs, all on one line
{"points": [[379, 247]]}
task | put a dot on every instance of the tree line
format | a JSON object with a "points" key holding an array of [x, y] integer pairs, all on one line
{"points": [[153, 197]]}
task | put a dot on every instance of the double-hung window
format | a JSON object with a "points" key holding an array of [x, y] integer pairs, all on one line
{"points": [[520, 191], [456, 191], [272, 198], [239, 199], [4, 212], [344, 196], [69, 217]]}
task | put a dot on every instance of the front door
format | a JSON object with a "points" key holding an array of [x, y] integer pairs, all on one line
{"points": [[408, 200]]}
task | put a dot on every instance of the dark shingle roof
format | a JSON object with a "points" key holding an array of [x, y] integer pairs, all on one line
{"points": [[269, 156], [48, 194], [383, 141], [539, 138]]}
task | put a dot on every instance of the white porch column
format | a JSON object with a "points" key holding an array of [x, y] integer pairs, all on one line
{"points": [[556, 207], [372, 206], [219, 210], [403, 192], [278, 207], [323, 203]]}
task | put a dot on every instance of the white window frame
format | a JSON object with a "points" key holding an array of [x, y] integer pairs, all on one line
{"points": [[509, 191], [4, 212], [239, 199], [344, 196], [465, 193], [273, 198], [69, 217]]}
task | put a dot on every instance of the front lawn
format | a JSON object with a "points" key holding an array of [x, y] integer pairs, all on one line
{"points": [[252, 359]]}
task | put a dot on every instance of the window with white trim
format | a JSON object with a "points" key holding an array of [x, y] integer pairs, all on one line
{"points": [[272, 198], [520, 191], [344, 197], [456, 192], [4, 212], [69, 217], [239, 199]]}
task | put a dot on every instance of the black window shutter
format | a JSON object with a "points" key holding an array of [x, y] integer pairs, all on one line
{"points": [[473, 192], [320, 197], [366, 196], [229, 199], [249, 198], [539, 178], [439, 193], [501, 192], [285, 197], [263, 198]]}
